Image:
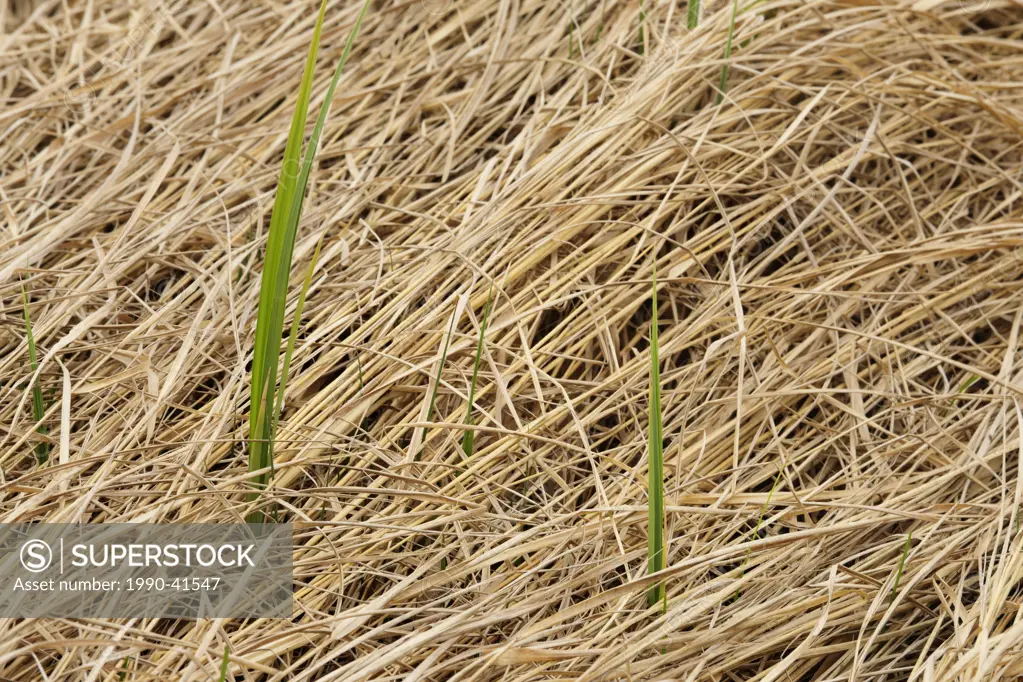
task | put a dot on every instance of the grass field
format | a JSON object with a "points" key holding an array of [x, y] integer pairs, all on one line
{"points": [[485, 424]]}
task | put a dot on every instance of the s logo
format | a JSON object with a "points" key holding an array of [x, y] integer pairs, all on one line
{"points": [[36, 556]]}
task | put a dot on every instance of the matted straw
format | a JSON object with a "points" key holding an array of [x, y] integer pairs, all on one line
{"points": [[837, 247]]}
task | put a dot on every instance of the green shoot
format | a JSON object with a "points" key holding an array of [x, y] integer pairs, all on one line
{"points": [[123, 673], [469, 435], [969, 382], [284, 221], [642, 24], [693, 18], [224, 662], [902, 565], [293, 333], [728, 53], [266, 351], [655, 505], [38, 408]]}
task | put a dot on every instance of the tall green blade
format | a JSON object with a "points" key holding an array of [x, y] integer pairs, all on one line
{"points": [[293, 335], [278, 257], [723, 84], [642, 25], [277, 266], [693, 19], [655, 484], [314, 139]]}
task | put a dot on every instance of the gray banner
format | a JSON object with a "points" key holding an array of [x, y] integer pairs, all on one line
{"points": [[124, 570]]}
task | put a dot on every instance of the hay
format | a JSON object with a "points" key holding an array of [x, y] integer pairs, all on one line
{"points": [[838, 255]]}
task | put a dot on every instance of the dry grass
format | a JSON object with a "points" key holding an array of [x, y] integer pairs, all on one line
{"points": [[838, 254]]}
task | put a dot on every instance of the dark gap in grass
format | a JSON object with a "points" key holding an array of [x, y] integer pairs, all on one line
{"points": [[981, 334], [551, 319], [640, 319], [780, 260], [211, 385], [813, 517]]}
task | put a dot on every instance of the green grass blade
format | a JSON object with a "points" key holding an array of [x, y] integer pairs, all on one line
{"points": [[224, 663], [123, 673], [655, 505], [290, 228], [728, 53], [266, 350], [38, 407], [902, 566], [280, 248], [314, 139], [293, 334], [693, 18], [469, 436], [642, 25]]}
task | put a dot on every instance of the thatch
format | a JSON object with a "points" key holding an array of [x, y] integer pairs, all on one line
{"points": [[838, 249]]}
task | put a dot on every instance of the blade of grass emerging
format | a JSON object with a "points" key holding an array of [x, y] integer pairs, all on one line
{"points": [[969, 382], [728, 53], [123, 674], [642, 25], [38, 408], [293, 333], [469, 436], [267, 346], [284, 220], [693, 19], [224, 662], [655, 505], [902, 566]]}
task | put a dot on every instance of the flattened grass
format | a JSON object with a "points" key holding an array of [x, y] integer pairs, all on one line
{"points": [[469, 436], [544, 535], [42, 450]]}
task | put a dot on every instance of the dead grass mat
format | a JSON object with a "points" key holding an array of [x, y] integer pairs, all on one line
{"points": [[838, 248]]}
